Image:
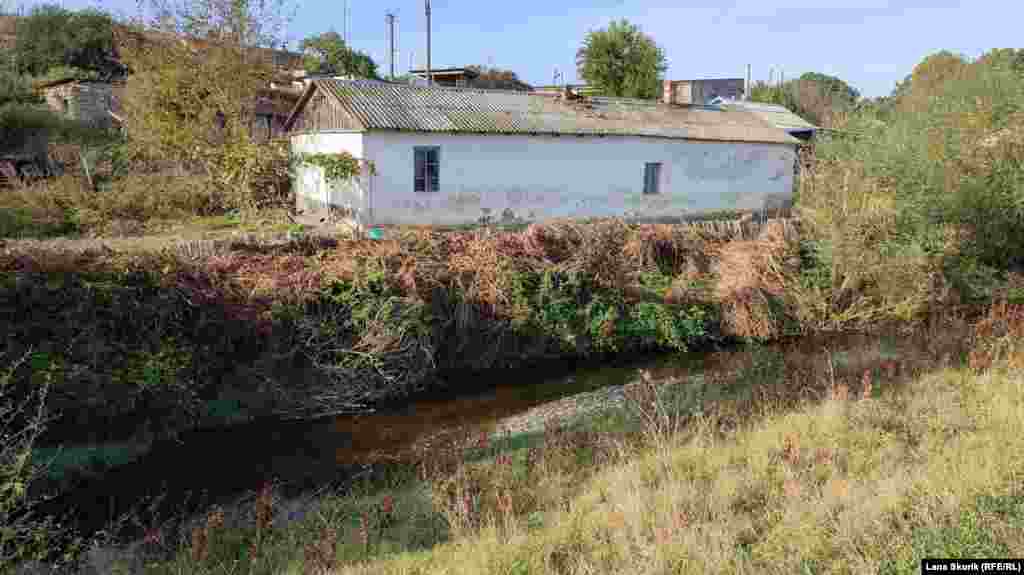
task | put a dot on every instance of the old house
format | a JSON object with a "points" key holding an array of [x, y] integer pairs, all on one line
{"points": [[94, 102], [703, 91], [448, 156], [470, 77]]}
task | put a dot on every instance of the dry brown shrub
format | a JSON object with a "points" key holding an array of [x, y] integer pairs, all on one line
{"points": [[672, 249], [997, 337], [748, 273], [478, 267], [554, 241], [594, 249]]}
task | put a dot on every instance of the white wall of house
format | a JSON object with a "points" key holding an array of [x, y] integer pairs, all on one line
{"points": [[317, 198], [530, 178]]}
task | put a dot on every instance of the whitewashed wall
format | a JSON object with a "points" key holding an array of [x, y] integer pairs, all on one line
{"points": [[314, 196], [519, 177]]}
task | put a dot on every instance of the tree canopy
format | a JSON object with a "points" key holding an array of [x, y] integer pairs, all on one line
{"points": [[193, 103], [51, 37], [814, 96], [328, 53], [832, 86], [622, 61], [495, 78]]}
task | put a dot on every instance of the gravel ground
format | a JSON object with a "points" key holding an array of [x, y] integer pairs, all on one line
{"points": [[563, 410]]}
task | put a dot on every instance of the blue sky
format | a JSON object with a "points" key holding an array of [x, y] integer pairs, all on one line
{"points": [[869, 43]]}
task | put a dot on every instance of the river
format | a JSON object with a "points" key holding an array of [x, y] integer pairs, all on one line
{"points": [[213, 466]]}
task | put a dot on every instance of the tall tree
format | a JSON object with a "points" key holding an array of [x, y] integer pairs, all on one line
{"points": [[199, 71], [51, 37], [928, 79], [328, 53], [622, 61], [814, 96], [833, 86]]}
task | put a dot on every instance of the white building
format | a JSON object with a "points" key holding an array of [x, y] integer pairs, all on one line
{"points": [[445, 156]]}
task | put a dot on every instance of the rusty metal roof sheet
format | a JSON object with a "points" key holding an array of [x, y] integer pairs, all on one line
{"points": [[779, 116], [389, 106]]}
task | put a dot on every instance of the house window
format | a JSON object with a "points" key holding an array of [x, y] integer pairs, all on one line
{"points": [[427, 169], [262, 127], [652, 178]]}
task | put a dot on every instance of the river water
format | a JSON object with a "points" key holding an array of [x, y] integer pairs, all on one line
{"points": [[210, 466]]}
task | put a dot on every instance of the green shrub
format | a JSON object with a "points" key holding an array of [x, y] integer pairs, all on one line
{"points": [[892, 198]]}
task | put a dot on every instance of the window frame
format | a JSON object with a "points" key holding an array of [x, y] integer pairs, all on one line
{"points": [[655, 182], [434, 184]]}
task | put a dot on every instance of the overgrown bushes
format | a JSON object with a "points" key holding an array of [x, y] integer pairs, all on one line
{"points": [[923, 207], [67, 205], [313, 327]]}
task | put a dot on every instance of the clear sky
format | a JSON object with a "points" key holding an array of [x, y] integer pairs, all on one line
{"points": [[869, 43]]}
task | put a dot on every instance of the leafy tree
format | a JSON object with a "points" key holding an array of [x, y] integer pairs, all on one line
{"points": [[15, 88], [813, 96], [928, 79], [622, 61], [194, 90], [833, 86], [328, 53], [51, 37], [496, 78], [1013, 59]]}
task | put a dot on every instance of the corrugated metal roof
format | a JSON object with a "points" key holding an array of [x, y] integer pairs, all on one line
{"points": [[778, 116], [388, 106]]}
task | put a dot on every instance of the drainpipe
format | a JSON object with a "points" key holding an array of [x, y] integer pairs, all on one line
{"points": [[369, 196]]}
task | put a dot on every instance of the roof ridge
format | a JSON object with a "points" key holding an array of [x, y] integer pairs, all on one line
{"points": [[434, 87]]}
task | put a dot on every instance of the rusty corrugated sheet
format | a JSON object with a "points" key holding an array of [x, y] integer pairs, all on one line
{"points": [[387, 106], [777, 115]]}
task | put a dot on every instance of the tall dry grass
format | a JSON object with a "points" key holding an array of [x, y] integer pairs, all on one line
{"points": [[891, 464]]}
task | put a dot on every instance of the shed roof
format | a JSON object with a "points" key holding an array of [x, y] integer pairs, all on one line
{"points": [[779, 116], [378, 105]]}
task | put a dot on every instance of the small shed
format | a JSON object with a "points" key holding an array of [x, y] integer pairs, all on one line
{"points": [[93, 102], [446, 156]]}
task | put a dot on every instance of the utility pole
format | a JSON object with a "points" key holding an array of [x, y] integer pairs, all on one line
{"points": [[430, 79], [746, 87], [390, 19]]}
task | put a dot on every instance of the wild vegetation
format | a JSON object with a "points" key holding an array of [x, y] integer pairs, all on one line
{"points": [[814, 96], [902, 218], [328, 53]]}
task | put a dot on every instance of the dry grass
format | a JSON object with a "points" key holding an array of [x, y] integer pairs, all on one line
{"points": [[838, 486]]}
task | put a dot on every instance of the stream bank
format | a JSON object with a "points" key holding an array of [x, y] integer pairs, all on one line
{"points": [[208, 467]]}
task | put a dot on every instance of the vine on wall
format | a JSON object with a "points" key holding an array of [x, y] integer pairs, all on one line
{"points": [[337, 167]]}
